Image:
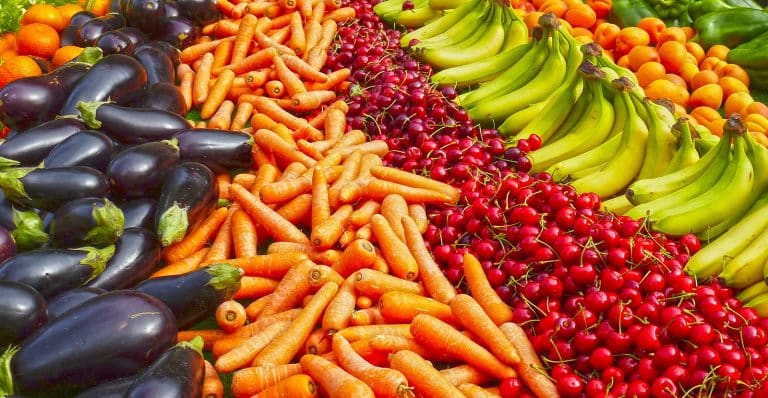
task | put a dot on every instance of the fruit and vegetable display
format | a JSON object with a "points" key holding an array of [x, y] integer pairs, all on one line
{"points": [[383, 198]]}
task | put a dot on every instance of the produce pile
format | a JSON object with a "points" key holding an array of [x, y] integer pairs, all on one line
{"points": [[273, 199]]}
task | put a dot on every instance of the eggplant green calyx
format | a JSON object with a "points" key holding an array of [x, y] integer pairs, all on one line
{"points": [[6, 376], [109, 224], [97, 258], [173, 225], [5, 162], [225, 278], [90, 56], [195, 344], [29, 233], [88, 112], [10, 182]]}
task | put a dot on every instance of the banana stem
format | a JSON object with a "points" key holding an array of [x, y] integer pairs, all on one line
{"points": [[735, 124]]}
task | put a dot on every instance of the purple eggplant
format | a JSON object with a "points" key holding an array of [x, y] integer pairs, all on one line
{"points": [[111, 389], [117, 77], [178, 373], [49, 189], [22, 312], [135, 35], [173, 53], [188, 194], [70, 299], [158, 65], [29, 101], [30, 147], [81, 17], [6, 213], [220, 150], [171, 9], [140, 170], [28, 230], [108, 337], [195, 295], [139, 213], [53, 271], [137, 254], [68, 36], [147, 15], [86, 222], [179, 31], [163, 96], [7, 245], [90, 31], [132, 125], [88, 148], [115, 42], [202, 12]]}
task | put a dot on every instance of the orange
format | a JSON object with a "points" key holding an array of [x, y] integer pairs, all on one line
{"points": [[736, 71], [673, 55], [738, 103], [38, 39], [68, 10], [18, 67], [695, 50], [45, 14], [676, 79], [648, 72], [672, 33], [715, 126], [605, 35], [631, 37], [65, 54], [654, 27], [688, 70], [757, 107]]}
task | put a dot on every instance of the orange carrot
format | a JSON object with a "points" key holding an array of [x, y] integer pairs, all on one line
{"points": [[259, 59], [232, 340], [291, 289], [252, 287], [431, 275], [362, 215], [266, 174], [469, 314], [332, 4], [287, 4], [225, 6], [284, 347], [363, 302], [310, 100], [209, 336], [426, 380], [386, 383], [347, 237], [274, 224], [222, 243], [414, 180], [253, 310], [292, 82], [321, 209], [475, 391], [217, 94], [350, 167], [318, 342], [366, 316], [274, 265], [465, 374], [197, 238], [222, 54], [202, 77], [335, 124], [245, 180], [259, 157], [439, 336], [319, 120], [402, 307], [249, 381], [284, 190], [274, 88], [379, 263], [395, 251], [340, 14], [364, 232], [196, 51], [305, 7], [298, 386], [186, 78], [376, 147], [418, 213], [354, 333], [222, 181], [358, 254], [244, 37], [268, 42], [259, 8], [387, 344], [230, 315], [243, 234], [318, 52], [530, 367], [262, 121], [298, 40], [340, 309], [212, 386], [244, 353], [334, 381], [374, 283], [309, 149], [271, 109], [297, 210], [394, 208], [281, 36], [378, 189], [354, 138], [335, 79], [256, 78], [243, 113], [222, 118], [313, 30], [182, 266], [327, 233], [483, 292], [303, 69]]}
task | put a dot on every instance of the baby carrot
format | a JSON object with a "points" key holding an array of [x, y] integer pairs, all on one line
{"points": [[483, 292], [374, 283], [196, 51], [385, 383], [202, 77], [395, 251], [310, 100], [274, 224], [530, 366], [242, 114], [217, 94], [327, 233], [290, 290], [313, 30], [366, 316], [414, 180], [465, 374], [394, 208], [297, 210], [425, 379], [244, 37], [321, 208], [305, 7], [349, 171], [222, 181], [212, 385], [334, 381], [249, 381], [273, 265], [259, 59], [274, 88], [340, 309], [197, 238], [292, 82], [335, 78], [271, 109], [431, 275], [470, 315], [318, 342], [363, 302], [186, 78], [418, 213], [340, 14], [252, 287], [358, 254], [222, 243], [222, 118], [222, 54], [353, 138], [295, 386], [230, 315], [297, 41], [232, 340], [402, 307], [303, 69], [182, 266], [243, 354]]}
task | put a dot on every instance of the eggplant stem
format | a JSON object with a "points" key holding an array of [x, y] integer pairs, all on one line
{"points": [[6, 376]]}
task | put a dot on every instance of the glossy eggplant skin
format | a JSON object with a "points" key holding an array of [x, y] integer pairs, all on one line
{"points": [[158, 65], [22, 311], [108, 337], [86, 222], [52, 271], [137, 125], [7, 245], [30, 147], [115, 42], [90, 31], [139, 171], [111, 389], [188, 194], [181, 32], [6, 213], [117, 77], [178, 373], [137, 254], [171, 9], [202, 12], [49, 189], [220, 150], [147, 15], [163, 96], [88, 148], [65, 301], [68, 36], [135, 35], [173, 53], [29, 101], [139, 213]]}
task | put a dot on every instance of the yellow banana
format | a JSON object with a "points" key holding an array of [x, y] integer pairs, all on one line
{"points": [[747, 267], [591, 160]]}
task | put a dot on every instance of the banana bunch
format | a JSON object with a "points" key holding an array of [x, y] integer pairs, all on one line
{"points": [[756, 296], [408, 13]]}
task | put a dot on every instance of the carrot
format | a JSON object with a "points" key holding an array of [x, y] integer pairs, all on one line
{"points": [[253, 310], [340, 14], [318, 342], [439, 336], [321, 209], [186, 78], [335, 78], [366, 316], [379, 263], [363, 302], [297, 41], [225, 6], [196, 239], [426, 380], [334, 381], [377, 189], [384, 382], [259, 59], [531, 370], [394, 208], [281, 35], [256, 78], [475, 391], [318, 53], [418, 213], [414, 180], [354, 138], [347, 237], [243, 113], [364, 232], [222, 243], [465, 374], [270, 108], [469, 314], [217, 94], [268, 42], [296, 386], [331, 160], [309, 149], [274, 88], [274, 265], [212, 386], [264, 175], [303, 69], [374, 283], [244, 353], [332, 4], [395, 251], [305, 8], [222, 181], [274, 224], [387, 344], [182, 266], [245, 180], [222, 54], [209, 336], [340, 309], [272, 142], [285, 133], [354, 333], [402, 307], [259, 8], [291, 289], [262, 121], [259, 157], [327, 233], [230, 315], [335, 124], [362, 215], [483, 292], [282, 191], [252, 287], [377, 147], [292, 82], [432, 276], [202, 77], [196, 51], [288, 343], [244, 234], [313, 30], [297, 210], [287, 4], [310, 100], [350, 167], [249, 381], [232, 340], [222, 118]]}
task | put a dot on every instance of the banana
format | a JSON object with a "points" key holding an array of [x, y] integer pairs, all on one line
{"points": [[481, 71], [622, 168], [619, 113], [661, 142], [618, 205], [445, 4], [753, 291], [520, 119], [747, 267], [686, 153], [592, 130], [709, 260], [472, 22], [442, 24], [515, 30], [591, 160], [417, 17], [759, 304]]}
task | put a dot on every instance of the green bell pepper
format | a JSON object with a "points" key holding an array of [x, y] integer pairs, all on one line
{"points": [[629, 12], [752, 54], [702, 7], [670, 9], [730, 27]]}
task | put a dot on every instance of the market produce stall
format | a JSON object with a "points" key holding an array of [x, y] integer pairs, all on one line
{"points": [[400, 198]]}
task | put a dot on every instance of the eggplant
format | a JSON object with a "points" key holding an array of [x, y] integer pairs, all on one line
{"points": [[53, 271], [158, 65], [173, 53], [137, 254], [88, 148], [48, 189], [117, 77], [188, 194], [28, 230], [147, 15], [6, 213], [30, 147], [79, 18], [7, 245], [171, 9], [68, 36], [135, 35], [29, 101], [140, 170], [139, 213], [132, 125], [70, 299], [220, 150], [22, 311], [181, 32], [163, 96], [203, 12], [111, 336], [86, 222], [178, 373], [111, 389], [90, 31], [115, 42], [195, 295]]}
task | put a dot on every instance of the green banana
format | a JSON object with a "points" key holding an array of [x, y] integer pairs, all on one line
{"points": [[709, 261], [417, 17], [481, 71], [753, 291], [470, 24], [622, 168], [747, 267], [442, 24], [686, 153], [520, 119], [445, 4], [661, 142], [389, 10], [515, 30], [759, 304], [591, 160], [618, 205]]}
